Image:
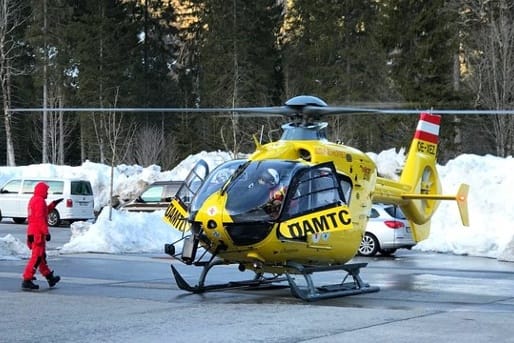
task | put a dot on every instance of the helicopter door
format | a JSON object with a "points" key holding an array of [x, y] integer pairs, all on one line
{"points": [[312, 190], [314, 205], [177, 212], [192, 183]]}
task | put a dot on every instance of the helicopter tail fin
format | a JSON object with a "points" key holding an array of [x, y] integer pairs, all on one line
{"points": [[462, 202], [420, 174]]}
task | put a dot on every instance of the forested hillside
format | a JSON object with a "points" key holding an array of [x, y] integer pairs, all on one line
{"points": [[418, 54]]}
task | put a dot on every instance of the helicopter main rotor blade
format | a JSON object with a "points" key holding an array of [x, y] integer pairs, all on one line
{"points": [[305, 107], [331, 110], [131, 109], [301, 106], [445, 111], [282, 110]]}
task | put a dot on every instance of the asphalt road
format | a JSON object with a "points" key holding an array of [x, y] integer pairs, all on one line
{"points": [[424, 297]]}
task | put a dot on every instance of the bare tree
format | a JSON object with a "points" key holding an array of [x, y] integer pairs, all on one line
{"points": [[98, 120], [491, 59], [234, 123], [169, 154], [116, 131], [148, 145], [59, 130], [10, 20], [119, 135], [152, 146]]}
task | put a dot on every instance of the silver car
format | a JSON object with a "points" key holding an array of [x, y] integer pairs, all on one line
{"points": [[155, 197], [387, 231]]}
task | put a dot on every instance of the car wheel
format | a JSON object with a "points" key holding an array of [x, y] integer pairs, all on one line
{"points": [[18, 220], [369, 245], [387, 252], [53, 218]]}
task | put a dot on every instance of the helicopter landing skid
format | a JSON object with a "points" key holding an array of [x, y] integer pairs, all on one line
{"points": [[256, 282], [311, 293]]}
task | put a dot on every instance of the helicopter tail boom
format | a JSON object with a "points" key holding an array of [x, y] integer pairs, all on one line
{"points": [[418, 192]]}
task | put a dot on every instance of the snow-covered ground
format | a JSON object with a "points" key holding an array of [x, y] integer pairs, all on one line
{"points": [[491, 208]]}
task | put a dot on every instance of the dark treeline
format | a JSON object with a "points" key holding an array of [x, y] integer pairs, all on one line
{"points": [[417, 54]]}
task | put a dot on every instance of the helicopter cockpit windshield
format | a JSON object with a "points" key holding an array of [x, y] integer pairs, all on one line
{"points": [[257, 194], [266, 190], [216, 180]]}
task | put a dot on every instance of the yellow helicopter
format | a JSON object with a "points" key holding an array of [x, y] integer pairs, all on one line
{"points": [[300, 205]]}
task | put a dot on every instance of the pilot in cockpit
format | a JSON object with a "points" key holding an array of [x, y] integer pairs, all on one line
{"points": [[271, 178]]}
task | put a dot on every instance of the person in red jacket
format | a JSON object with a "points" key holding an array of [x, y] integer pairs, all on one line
{"points": [[37, 236]]}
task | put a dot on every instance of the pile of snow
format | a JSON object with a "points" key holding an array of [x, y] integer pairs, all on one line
{"points": [[491, 214], [490, 234], [124, 233], [12, 249]]}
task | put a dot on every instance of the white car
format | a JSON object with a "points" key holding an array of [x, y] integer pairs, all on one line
{"points": [[77, 194], [387, 231]]}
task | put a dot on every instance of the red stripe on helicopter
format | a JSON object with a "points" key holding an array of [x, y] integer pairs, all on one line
{"points": [[431, 118], [428, 127]]}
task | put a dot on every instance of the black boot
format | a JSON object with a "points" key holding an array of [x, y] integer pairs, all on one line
{"points": [[29, 285], [52, 280]]}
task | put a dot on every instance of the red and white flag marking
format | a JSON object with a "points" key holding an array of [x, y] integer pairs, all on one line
{"points": [[428, 127]]}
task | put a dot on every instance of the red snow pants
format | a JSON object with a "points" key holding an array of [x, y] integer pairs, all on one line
{"points": [[37, 260]]}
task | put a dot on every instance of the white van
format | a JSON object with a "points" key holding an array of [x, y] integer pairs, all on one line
{"points": [[78, 203]]}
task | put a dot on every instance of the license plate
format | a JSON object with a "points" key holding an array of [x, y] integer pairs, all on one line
{"points": [[83, 203]]}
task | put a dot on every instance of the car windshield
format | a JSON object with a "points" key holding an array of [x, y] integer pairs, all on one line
{"points": [[152, 194]]}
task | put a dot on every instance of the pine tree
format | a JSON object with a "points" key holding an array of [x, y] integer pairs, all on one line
{"points": [[333, 49], [421, 38], [237, 64], [49, 130], [122, 55]]}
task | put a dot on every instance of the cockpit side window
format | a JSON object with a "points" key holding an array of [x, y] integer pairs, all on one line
{"points": [[314, 189], [346, 187]]}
